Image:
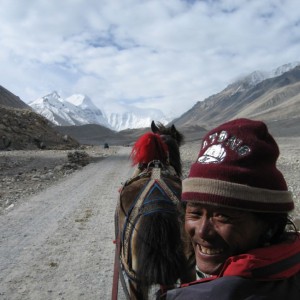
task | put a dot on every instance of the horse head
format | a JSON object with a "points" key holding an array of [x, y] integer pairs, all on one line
{"points": [[174, 139], [162, 144], [168, 131]]}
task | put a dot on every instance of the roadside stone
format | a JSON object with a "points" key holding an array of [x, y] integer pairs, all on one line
{"points": [[79, 158]]}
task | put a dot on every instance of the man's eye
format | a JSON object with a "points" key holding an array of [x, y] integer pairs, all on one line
{"points": [[196, 212], [221, 217]]}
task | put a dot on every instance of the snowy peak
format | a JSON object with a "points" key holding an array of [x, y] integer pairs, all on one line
{"points": [[54, 95], [282, 69], [93, 114], [63, 113], [81, 101], [79, 109], [53, 108], [256, 77], [129, 117]]}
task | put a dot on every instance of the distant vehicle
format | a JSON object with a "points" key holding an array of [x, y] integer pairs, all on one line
{"points": [[106, 146]]}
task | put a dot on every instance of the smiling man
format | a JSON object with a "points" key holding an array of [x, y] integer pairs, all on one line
{"points": [[236, 215]]}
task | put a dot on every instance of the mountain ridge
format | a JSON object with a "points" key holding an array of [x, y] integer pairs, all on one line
{"points": [[263, 100], [275, 100], [7, 98]]}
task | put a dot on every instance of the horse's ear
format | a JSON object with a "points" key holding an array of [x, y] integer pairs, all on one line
{"points": [[174, 131], [154, 128], [177, 135]]}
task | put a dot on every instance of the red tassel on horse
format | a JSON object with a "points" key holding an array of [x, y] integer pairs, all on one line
{"points": [[149, 147]]}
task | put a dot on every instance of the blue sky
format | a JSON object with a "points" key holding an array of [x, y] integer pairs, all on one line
{"points": [[165, 54]]}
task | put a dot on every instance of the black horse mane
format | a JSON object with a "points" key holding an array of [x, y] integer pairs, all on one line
{"points": [[160, 253]]}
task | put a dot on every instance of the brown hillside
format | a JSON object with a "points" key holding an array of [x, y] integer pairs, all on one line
{"points": [[275, 101]]}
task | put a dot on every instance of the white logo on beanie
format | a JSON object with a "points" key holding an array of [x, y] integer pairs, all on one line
{"points": [[214, 154], [217, 152]]}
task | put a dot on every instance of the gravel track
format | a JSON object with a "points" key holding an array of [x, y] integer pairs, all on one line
{"points": [[59, 243]]}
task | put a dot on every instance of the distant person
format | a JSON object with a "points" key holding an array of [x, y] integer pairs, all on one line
{"points": [[236, 215]]}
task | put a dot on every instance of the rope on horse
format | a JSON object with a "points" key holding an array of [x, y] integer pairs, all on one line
{"points": [[118, 274]]}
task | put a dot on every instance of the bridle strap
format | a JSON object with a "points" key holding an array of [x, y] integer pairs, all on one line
{"points": [[118, 274]]}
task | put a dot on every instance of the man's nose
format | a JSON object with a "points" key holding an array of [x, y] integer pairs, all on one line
{"points": [[205, 228]]}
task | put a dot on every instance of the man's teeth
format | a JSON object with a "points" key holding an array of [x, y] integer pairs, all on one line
{"points": [[209, 251]]}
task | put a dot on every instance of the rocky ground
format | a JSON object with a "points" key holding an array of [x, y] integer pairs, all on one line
{"points": [[26, 172]]}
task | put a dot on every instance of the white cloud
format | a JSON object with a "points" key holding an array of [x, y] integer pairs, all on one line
{"points": [[160, 54]]}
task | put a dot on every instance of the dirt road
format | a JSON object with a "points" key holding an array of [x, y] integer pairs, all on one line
{"points": [[59, 243]]}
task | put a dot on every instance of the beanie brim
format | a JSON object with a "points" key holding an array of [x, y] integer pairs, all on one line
{"points": [[234, 195]]}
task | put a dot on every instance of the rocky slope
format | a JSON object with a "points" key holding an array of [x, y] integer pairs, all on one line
{"points": [[24, 129], [274, 100], [9, 99]]}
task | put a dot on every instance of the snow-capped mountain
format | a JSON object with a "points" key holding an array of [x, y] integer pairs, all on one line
{"points": [[244, 83], [258, 76], [76, 110], [275, 99], [282, 69], [92, 113], [79, 110], [127, 117]]}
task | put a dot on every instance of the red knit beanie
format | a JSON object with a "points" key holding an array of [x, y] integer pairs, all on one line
{"points": [[236, 168]]}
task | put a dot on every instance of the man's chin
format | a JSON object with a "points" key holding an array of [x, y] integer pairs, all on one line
{"points": [[209, 269]]}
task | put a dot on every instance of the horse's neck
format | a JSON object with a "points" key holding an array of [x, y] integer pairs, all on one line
{"points": [[136, 172], [170, 170]]}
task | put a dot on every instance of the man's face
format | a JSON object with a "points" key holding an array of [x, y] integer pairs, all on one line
{"points": [[218, 233]]}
